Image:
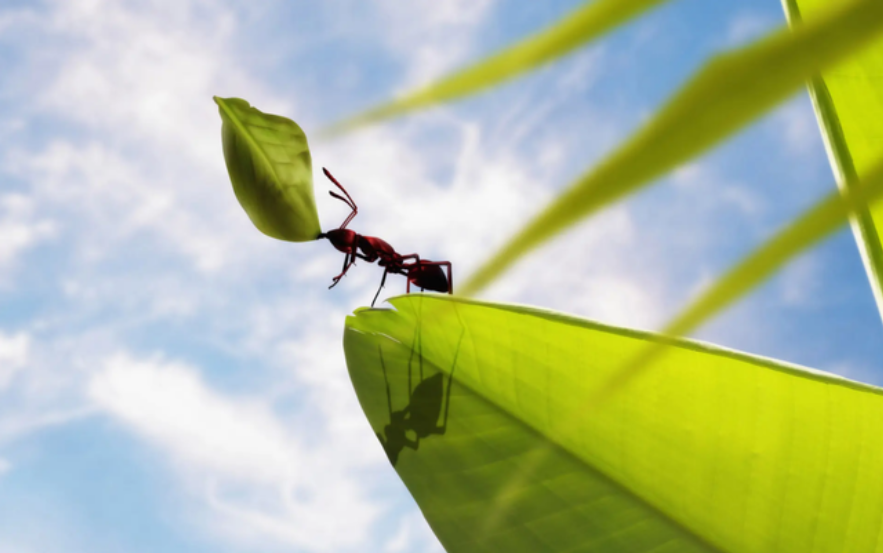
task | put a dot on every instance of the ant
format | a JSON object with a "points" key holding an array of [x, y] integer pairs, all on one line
{"points": [[422, 273], [421, 414]]}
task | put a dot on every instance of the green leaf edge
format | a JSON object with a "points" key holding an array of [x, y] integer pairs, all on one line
{"points": [[245, 132], [814, 225], [353, 322], [866, 236]]}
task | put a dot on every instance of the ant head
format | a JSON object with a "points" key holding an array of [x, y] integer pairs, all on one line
{"points": [[342, 238]]}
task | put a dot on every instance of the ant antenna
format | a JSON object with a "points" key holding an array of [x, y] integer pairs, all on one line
{"points": [[348, 200]]}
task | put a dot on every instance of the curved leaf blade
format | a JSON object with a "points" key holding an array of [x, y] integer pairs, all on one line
{"points": [[849, 107], [574, 30], [269, 164], [731, 91], [714, 451]]}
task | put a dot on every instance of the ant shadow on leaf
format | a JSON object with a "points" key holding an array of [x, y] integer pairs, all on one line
{"points": [[420, 417]]}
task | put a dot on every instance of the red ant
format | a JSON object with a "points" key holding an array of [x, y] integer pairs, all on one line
{"points": [[423, 273]]}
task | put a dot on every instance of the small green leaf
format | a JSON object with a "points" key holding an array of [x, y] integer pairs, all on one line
{"points": [[730, 92], [577, 28], [484, 409], [849, 106], [270, 166]]}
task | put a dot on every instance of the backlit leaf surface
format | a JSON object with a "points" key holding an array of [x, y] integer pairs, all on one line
{"points": [[849, 105], [713, 450], [271, 170]]}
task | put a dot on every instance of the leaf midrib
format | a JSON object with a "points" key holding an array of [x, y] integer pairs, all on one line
{"points": [[253, 142]]}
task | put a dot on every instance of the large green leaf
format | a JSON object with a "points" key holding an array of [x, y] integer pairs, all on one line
{"points": [[712, 451], [272, 173], [731, 91], [849, 105], [582, 25]]}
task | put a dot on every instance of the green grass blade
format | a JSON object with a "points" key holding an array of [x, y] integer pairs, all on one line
{"points": [[814, 225], [849, 106], [731, 91], [269, 164], [482, 409], [577, 28]]}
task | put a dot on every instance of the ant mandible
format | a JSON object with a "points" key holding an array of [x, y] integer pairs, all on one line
{"points": [[423, 273]]}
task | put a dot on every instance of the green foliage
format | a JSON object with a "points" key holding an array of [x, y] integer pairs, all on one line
{"points": [[271, 170], [849, 105], [711, 451]]}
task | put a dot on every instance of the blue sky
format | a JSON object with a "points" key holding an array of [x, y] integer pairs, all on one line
{"points": [[173, 380]]}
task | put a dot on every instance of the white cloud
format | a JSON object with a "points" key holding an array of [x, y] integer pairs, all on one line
{"points": [[584, 273], [431, 37], [106, 198], [139, 81], [709, 191], [748, 26], [260, 481], [5, 466], [20, 229], [795, 122], [412, 534], [800, 281], [13, 356]]}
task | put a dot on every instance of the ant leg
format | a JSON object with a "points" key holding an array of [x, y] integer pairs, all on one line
{"points": [[386, 380], [420, 353], [348, 260], [410, 359], [382, 282], [336, 279], [444, 426]]}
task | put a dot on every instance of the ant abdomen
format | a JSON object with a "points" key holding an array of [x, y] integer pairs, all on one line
{"points": [[429, 277]]}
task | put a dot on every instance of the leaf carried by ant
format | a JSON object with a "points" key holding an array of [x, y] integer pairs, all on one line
{"points": [[269, 163], [713, 450]]}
